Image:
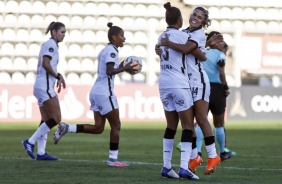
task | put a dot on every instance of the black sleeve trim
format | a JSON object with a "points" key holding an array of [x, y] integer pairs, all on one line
{"points": [[110, 63], [221, 63], [194, 42], [47, 56]]}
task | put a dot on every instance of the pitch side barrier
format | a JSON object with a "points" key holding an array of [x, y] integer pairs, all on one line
{"points": [[137, 103]]}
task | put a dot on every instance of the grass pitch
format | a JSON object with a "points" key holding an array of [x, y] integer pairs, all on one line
{"points": [[83, 157]]}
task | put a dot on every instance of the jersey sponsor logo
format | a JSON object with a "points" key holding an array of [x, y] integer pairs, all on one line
{"points": [[51, 49], [113, 55], [165, 67], [180, 102], [165, 103]]}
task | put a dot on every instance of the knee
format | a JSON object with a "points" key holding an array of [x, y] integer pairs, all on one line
{"points": [[99, 130]]}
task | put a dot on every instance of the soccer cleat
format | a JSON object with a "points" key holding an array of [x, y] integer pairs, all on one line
{"points": [[233, 152], [46, 157], [29, 148], [116, 163], [62, 130], [194, 163], [187, 174], [212, 163], [225, 155], [169, 173]]}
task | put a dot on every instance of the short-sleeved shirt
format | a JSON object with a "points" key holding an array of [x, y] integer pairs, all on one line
{"points": [[104, 84], [44, 80], [214, 57], [195, 68], [173, 69]]}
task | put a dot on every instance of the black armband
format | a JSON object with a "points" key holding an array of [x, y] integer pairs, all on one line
{"points": [[225, 86], [58, 77]]}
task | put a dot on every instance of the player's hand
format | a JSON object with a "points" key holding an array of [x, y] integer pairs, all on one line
{"points": [[227, 93], [164, 40], [130, 66], [158, 50], [214, 40], [61, 83]]}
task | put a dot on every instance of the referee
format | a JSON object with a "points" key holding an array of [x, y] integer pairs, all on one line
{"points": [[215, 69]]}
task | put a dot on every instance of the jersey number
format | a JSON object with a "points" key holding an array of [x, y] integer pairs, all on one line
{"points": [[165, 54], [194, 91]]}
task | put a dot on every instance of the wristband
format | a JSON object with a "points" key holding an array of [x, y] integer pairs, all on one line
{"points": [[225, 86], [58, 77]]}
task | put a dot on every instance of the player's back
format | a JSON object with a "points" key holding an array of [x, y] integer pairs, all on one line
{"points": [[173, 72]]}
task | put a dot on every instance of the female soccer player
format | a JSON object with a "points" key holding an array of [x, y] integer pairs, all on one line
{"points": [[176, 96], [102, 97], [199, 82], [44, 91]]}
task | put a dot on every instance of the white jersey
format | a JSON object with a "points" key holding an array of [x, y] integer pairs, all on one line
{"points": [[196, 72], [44, 80], [173, 73], [104, 84]]}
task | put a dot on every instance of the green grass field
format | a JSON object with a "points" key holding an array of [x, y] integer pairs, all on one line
{"points": [[83, 157]]}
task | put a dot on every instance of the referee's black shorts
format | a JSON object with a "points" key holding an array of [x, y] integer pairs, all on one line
{"points": [[217, 102]]}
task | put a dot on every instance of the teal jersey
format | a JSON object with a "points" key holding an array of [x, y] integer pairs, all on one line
{"points": [[215, 58]]}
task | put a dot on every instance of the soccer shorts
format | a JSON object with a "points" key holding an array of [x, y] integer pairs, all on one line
{"points": [[217, 99], [42, 95], [201, 92], [103, 104], [176, 99]]}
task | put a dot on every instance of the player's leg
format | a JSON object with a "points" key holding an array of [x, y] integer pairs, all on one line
{"points": [[41, 142], [186, 117], [201, 109], [169, 133], [52, 108], [183, 103], [114, 121]]}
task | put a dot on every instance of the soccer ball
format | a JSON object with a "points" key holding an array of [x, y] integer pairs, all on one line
{"points": [[134, 60]]}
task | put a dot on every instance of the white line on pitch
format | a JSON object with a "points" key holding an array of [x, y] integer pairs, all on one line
{"points": [[148, 163]]}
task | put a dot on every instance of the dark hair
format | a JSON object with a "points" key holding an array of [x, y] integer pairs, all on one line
{"points": [[114, 30], [172, 13], [211, 34], [54, 26], [207, 21]]}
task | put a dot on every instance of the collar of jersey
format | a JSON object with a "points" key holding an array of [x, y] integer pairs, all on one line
{"points": [[55, 41], [113, 46], [193, 30], [171, 28]]}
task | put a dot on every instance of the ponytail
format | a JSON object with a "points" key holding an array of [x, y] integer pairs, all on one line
{"points": [[54, 26]]}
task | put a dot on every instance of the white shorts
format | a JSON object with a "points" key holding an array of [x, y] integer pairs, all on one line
{"points": [[176, 99], [201, 92], [103, 104], [42, 95]]}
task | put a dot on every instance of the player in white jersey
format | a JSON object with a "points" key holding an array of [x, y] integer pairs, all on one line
{"points": [[102, 97], [48, 102], [199, 83], [176, 96]]}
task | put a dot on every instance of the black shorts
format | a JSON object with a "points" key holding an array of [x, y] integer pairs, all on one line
{"points": [[217, 102]]}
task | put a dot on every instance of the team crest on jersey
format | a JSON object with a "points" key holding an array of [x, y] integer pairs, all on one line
{"points": [[113, 55], [165, 103], [180, 102], [51, 49]]}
